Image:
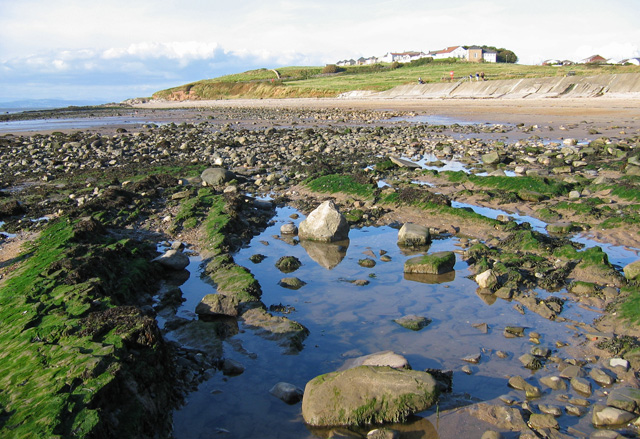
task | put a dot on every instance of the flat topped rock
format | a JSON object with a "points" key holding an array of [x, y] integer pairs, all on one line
{"points": [[382, 358], [403, 163], [435, 263]]}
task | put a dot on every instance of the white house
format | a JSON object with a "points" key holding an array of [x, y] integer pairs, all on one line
{"points": [[402, 56], [490, 56], [449, 52]]}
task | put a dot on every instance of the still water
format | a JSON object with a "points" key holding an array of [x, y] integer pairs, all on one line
{"points": [[346, 321]]}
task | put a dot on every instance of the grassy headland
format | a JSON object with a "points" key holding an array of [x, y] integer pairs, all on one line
{"points": [[290, 82]]}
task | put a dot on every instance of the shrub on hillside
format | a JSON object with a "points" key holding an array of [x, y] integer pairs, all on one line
{"points": [[331, 68]]}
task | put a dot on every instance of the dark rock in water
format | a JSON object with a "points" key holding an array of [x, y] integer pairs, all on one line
{"points": [[366, 395], [232, 367], [293, 283], [436, 263], [257, 258], [288, 264], [513, 331], [288, 333], [367, 263], [287, 392], [324, 224], [413, 322]]}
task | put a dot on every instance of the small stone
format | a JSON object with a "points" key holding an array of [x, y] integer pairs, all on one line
{"points": [[367, 263], [287, 392], [540, 421], [288, 229], [293, 283], [502, 354], [487, 279], [554, 382], [575, 411], [581, 385], [572, 372], [530, 362], [513, 331], [490, 434], [383, 433], [413, 322], [601, 377], [232, 367], [552, 410], [474, 358], [466, 369]]}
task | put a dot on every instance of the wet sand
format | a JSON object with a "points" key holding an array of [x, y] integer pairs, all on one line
{"points": [[604, 110]]}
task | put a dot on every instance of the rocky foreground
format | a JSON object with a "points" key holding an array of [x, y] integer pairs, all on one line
{"points": [[110, 197]]}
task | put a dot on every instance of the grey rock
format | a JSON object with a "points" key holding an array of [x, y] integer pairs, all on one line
{"points": [[625, 398], [610, 416], [383, 433], [382, 358], [554, 382], [572, 372], [487, 279], [293, 283], [324, 224], [216, 176], [581, 385], [288, 229], [602, 377], [540, 421], [413, 322], [411, 234], [490, 434], [232, 367], [218, 305], [173, 259], [287, 392]]}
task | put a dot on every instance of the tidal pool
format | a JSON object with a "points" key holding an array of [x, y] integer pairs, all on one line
{"points": [[346, 320]]}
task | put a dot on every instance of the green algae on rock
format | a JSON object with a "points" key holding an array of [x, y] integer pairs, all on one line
{"points": [[435, 263]]}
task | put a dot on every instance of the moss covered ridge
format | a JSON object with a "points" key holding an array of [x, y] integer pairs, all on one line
{"points": [[71, 344]]}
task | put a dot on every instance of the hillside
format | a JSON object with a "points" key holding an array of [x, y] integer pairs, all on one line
{"points": [[311, 82]]}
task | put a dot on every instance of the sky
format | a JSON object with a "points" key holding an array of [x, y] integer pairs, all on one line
{"points": [[111, 50]]}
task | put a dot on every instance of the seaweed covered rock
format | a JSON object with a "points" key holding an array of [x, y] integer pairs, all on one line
{"points": [[367, 395], [435, 263]]}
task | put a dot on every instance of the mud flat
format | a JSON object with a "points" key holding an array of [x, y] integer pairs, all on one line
{"points": [[522, 304]]}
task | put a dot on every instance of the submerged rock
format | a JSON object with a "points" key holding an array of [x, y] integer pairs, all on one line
{"points": [[367, 395], [287, 392], [413, 322], [324, 224]]}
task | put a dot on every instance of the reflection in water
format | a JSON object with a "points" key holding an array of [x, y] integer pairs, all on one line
{"points": [[326, 254], [431, 278]]}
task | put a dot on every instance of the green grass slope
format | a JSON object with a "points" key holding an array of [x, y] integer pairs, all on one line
{"points": [[312, 82]]}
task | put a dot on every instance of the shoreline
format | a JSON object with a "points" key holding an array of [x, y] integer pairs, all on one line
{"points": [[520, 110]]}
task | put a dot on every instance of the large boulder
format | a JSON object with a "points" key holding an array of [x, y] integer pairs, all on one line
{"points": [[324, 224], [411, 234], [435, 263], [216, 176], [367, 395]]}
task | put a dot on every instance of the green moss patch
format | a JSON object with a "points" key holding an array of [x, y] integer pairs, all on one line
{"points": [[67, 337]]}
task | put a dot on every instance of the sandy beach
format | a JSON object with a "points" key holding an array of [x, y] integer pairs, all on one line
{"points": [[615, 110]]}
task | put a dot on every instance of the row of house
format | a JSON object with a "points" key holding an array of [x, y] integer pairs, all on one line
{"points": [[594, 59], [471, 54]]}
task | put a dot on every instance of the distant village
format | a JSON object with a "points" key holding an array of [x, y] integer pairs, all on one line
{"points": [[471, 54]]}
